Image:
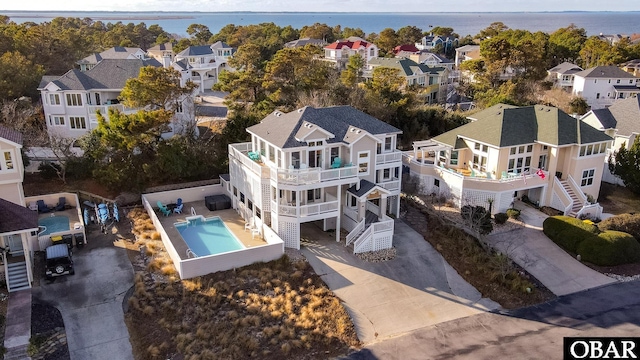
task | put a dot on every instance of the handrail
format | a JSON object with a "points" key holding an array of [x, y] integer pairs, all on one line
{"points": [[191, 254], [366, 235], [576, 189], [558, 184], [354, 233], [193, 212]]}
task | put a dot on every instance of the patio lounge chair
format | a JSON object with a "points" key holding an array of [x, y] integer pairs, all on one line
{"points": [[337, 162], [61, 203], [178, 208], [42, 207], [33, 206], [163, 209]]}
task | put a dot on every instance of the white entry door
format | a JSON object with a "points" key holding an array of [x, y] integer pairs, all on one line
{"points": [[15, 244]]}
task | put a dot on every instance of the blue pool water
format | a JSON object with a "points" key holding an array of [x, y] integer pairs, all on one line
{"points": [[54, 224], [208, 237]]}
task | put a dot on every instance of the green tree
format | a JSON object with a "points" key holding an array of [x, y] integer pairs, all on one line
{"points": [[18, 76], [349, 32], [578, 105], [492, 30], [352, 75], [387, 40], [626, 164], [244, 84], [565, 44], [155, 87], [409, 35], [199, 33], [318, 31], [443, 31], [596, 52]]}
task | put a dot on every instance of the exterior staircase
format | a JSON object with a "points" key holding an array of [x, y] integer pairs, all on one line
{"points": [[17, 353], [17, 278], [575, 199]]}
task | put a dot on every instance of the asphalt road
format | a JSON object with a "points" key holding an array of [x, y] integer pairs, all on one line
{"points": [[531, 333]]}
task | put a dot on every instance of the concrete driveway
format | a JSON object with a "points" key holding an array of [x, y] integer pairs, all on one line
{"points": [[530, 248], [91, 301], [416, 289]]}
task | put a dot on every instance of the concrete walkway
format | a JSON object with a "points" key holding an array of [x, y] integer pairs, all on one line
{"points": [[18, 326], [416, 289], [91, 302], [530, 248]]}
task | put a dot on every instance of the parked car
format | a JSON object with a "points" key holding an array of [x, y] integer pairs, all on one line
{"points": [[58, 261]]}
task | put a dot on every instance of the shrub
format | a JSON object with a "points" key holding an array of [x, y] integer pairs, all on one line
{"points": [[478, 218], [610, 248], [500, 218], [567, 231], [513, 213], [626, 223], [48, 170]]}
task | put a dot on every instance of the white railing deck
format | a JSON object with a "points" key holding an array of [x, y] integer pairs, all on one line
{"points": [[564, 192], [354, 233], [239, 151], [389, 157], [306, 210], [390, 185], [375, 229], [312, 175]]}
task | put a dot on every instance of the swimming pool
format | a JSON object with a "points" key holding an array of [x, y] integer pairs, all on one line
{"points": [[54, 224], [208, 236]]}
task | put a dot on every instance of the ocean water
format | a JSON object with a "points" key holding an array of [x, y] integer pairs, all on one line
{"points": [[462, 23]]}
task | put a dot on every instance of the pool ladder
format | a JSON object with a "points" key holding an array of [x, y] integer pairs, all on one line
{"points": [[191, 254], [193, 211]]}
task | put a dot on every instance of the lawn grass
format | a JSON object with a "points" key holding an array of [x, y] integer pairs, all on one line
{"points": [[274, 310], [618, 199]]}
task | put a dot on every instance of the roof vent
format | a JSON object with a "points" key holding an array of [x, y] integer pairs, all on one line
{"points": [[300, 110], [353, 129], [358, 132], [277, 113]]}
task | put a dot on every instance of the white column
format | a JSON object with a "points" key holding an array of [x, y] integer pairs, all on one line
{"points": [[339, 191]]}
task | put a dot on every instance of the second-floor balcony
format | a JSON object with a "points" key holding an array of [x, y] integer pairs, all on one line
{"points": [[104, 110], [390, 157], [326, 208], [256, 163], [473, 178]]}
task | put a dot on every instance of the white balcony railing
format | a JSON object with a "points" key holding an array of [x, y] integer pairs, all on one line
{"points": [[389, 157], [239, 151], [391, 185], [312, 175], [305, 210]]}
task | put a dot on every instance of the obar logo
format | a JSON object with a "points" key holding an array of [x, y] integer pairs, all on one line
{"points": [[601, 348]]}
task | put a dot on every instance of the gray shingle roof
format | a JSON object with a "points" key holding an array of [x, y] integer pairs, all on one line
{"points": [[117, 52], [365, 187], [220, 45], [502, 126], [408, 67], [107, 74], [304, 41], [280, 129], [196, 51], [11, 135], [162, 47], [566, 68], [604, 72], [627, 116], [605, 117], [16, 218]]}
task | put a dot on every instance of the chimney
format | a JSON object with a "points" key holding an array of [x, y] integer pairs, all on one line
{"points": [[358, 186], [166, 60]]}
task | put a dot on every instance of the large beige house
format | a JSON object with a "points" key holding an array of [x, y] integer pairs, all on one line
{"points": [[335, 166], [507, 152]]}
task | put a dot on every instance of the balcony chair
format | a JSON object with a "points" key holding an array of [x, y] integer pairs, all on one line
{"points": [[504, 175], [61, 203], [337, 162], [163, 209], [42, 207], [33, 206], [248, 225], [178, 208]]}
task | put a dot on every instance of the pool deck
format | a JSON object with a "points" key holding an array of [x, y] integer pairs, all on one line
{"points": [[230, 217]]}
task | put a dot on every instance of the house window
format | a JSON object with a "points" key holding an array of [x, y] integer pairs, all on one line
{"points": [[372, 52], [258, 213], [77, 122], [313, 195], [386, 174], [295, 159], [436, 182], [335, 153], [587, 177], [618, 81], [387, 143], [235, 191], [520, 159], [250, 205], [363, 163], [242, 198], [8, 160], [542, 162], [54, 99], [179, 107], [353, 201], [272, 154], [597, 95], [74, 100], [56, 120], [454, 158], [480, 157]]}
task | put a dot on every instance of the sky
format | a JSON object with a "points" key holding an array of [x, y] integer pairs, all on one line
{"points": [[323, 5]]}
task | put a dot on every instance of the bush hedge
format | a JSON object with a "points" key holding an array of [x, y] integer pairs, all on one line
{"points": [[513, 213], [478, 218], [605, 248], [500, 218], [626, 223]]}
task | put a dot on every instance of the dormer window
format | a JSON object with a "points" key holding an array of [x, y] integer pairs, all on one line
{"points": [[7, 161], [388, 143], [54, 99], [314, 143]]}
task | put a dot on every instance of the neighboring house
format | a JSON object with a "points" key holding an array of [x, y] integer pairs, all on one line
{"points": [[612, 39], [115, 53], [335, 166], [20, 231], [620, 121], [431, 59], [467, 52], [562, 75], [163, 53], [432, 41], [206, 62], [600, 86], [340, 51], [71, 101], [432, 79], [304, 42], [632, 67], [405, 49], [508, 152]]}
